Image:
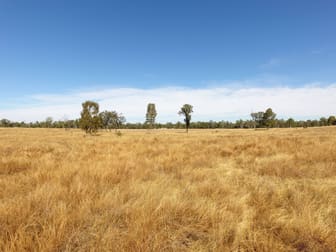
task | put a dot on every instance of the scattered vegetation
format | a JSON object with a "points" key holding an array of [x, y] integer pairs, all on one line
{"points": [[113, 120]]}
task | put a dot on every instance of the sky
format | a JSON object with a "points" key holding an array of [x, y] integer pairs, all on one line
{"points": [[226, 58]]}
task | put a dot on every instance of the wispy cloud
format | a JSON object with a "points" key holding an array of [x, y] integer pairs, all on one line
{"points": [[216, 103]]}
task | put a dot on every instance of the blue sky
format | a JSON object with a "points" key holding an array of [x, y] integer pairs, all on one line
{"points": [[67, 48]]}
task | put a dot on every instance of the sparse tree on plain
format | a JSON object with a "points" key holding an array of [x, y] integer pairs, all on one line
{"points": [[257, 118], [111, 120], [90, 120], [151, 115], [268, 118], [264, 119], [186, 111]]}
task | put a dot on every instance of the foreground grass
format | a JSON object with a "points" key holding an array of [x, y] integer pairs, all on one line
{"points": [[220, 190]]}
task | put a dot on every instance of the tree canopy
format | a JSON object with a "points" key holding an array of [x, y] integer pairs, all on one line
{"points": [[151, 114], [111, 120], [186, 111], [263, 119], [90, 120]]}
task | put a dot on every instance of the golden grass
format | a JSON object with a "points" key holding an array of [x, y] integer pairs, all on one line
{"points": [[210, 190]]}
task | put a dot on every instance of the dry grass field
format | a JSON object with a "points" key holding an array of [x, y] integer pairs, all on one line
{"points": [[210, 190]]}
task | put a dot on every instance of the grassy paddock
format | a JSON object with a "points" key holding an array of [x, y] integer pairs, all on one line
{"points": [[209, 190]]}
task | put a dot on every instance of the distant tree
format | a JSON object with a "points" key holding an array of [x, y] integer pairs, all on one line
{"points": [[49, 122], [323, 121], [65, 123], [90, 120], [240, 124], [314, 123], [5, 123], [111, 120], [331, 120], [257, 118], [290, 122], [151, 115], [186, 111], [268, 118], [179, 125]]}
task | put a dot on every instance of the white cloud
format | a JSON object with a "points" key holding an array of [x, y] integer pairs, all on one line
{"points": [[213, 103]]}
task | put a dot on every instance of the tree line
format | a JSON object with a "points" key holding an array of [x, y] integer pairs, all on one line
{"points": [[92, 120]]}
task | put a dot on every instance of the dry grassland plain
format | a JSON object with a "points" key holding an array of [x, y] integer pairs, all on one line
{"points": [[165, 190]]}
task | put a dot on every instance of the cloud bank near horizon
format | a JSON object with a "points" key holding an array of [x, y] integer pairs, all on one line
{"points": [[211, 103]]}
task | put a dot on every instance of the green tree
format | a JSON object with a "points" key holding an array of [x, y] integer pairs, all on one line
{"points": [[331, 120], [186, 111], [268, 118], [151, 114], [257, 118], [323, 121], [90, 120], [5, 123], [111, 120], [290, 122]]}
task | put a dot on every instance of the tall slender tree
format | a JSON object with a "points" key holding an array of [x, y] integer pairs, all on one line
{"points": [[186, 111], [151, 115]]}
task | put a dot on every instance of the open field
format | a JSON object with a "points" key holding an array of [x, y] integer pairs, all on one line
{"points": [[210, 190]]}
